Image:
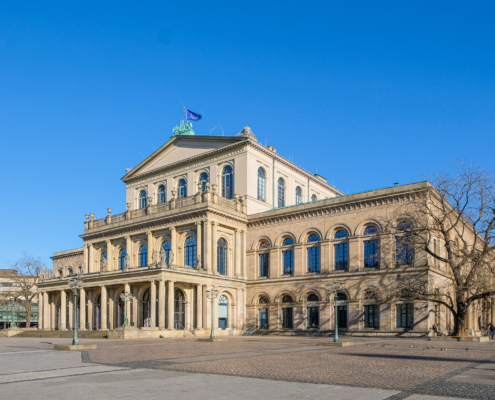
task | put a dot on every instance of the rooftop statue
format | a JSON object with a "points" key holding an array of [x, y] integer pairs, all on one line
{"points": [[184, 128]]}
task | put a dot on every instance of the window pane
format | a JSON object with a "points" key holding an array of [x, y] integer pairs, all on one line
{"points": [[314, 259], [404, 250], [228, 182], [261, 184], [371, 254], [281, 192], [288, 256], [341, 256], [191, 252], [313, 317], [264, 264]]}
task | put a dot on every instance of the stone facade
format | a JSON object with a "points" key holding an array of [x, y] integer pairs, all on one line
{"points": [[254, 252]]}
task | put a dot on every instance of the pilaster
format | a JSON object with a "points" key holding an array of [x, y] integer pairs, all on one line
{"points": [[152, 304], [63, 311], [170, 305], [103, 307]]}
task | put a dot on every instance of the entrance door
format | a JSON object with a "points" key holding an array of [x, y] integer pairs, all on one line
{"points": [[222, 312], [342, 316], [263, 318], [287, 318], [179, 310]]}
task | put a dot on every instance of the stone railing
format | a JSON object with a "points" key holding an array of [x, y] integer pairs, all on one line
{"points": [[208, 198]]}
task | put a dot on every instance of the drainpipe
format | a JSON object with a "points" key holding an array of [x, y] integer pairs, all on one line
{"points": [[273, 173], [308, 191]]}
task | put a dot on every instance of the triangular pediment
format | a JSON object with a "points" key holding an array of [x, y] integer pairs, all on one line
{"points": [[178, 149]]}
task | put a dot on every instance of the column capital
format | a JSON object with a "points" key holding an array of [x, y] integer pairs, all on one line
{"points": [[237, 230], [214, 223], [108, 241], [149, 233], [198, 223], [127, 237], [172, 228], [206, 222], [170, 281]]}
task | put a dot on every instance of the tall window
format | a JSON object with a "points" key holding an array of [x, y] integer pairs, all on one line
{"points": [[143, 256], [122, 258], [182, 189], [371, 248], [313, 317], [228, 182], [298, 195], [264, 264], [404, 245], [404, 315], [203, 178], [162, 194], [341, 251], [281, 192], [261, 184], [288, 257], [143, 201], [314, 198], [167, 247], [287, 314], [190, 252], [222, 256], [371, 317], [314, 254]]}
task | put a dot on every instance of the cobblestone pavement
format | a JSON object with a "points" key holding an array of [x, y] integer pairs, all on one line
{"points": [[404, 368]]}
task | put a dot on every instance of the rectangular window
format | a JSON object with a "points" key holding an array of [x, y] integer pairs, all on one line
{"points": [[264, 260], [342, 316], [287, 319], [371, 254], [288, 257], [263, 318], [371, 318], [314, 259], [313, 317], [404, 250], [404, 315], [341, 256]]}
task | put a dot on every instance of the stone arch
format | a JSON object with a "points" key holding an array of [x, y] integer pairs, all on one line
{"points": [[303, 238], [256, 298], [259, 240], [184, 287], [227, 293], [360, 295], [279, 240], [142, 288], [278, 297], [306, 293], [333, 229], [345, 291], [359, 231]]}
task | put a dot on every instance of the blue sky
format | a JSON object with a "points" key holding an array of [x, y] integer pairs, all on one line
{"points": [[365, 93]]}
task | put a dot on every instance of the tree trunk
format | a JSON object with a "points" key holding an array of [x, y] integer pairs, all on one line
{"points": [[460, 319], [28, 317]]}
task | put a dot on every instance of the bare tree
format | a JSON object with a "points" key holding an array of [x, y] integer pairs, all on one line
{"points": [[445, 242], [28, 270]]}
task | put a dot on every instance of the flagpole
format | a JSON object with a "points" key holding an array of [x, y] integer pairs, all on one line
{"points": [[185, 118]]}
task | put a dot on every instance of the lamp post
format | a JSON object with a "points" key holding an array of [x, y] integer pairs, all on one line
{"points": [[212, 294], [75, 284], [338, 286], [126, 297]]}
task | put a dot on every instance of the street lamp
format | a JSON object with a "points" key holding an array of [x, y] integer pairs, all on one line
{"points": [[75, 284], [126, 297], [212, 294], [338, 286]]}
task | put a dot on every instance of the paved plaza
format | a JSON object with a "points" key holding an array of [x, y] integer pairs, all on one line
{"points": [[247, 368]]}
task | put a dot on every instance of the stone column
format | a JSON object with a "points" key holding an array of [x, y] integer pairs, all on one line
{"points": [[91, 262], [243, 254], [151, 246], [53, 311], [111, 308], [128, 249], [63, 310], [152, 304], [230, 314], [207, 246], [199, 306], [492, 319], [135, 316], [188, 310], [170, 305], [46, 312], [89, 317], [237, 252], [86, 259], [173, 244], [71, 311], [469, 317], [161, 304], [103, 308], [215, 313], [199, 243], [82, 309], [110, 266], [206, 309], [214, 226], [40, 310], [128, 305]]}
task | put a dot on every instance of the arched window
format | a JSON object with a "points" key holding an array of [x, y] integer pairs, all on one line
{"points": [[404, 244], [203, 178], [287, 299], [261, 184], [167, 247], [228, 182], [71, 271], [122, 255], [404, 226], [190, 252], [162, 194], [298, 195], [314, 198], [222, 256], [288, 242], [143, 256], [341, 296], [263, 300], [143, 201], [179, 309], [341, 234], [314, 254], [370, 230], [313, 297], [281, 192], [182, 189]]}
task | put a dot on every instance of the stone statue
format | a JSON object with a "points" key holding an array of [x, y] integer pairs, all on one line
{"points": [[162, 256], [198, 261], [170, 257], [104, 264], [153, 258], [126, 261]]}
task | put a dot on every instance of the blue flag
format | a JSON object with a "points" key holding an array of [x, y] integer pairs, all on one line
{"points": [[192, 116]]}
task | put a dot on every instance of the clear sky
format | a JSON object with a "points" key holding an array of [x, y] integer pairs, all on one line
{"points": [[366, 93]]}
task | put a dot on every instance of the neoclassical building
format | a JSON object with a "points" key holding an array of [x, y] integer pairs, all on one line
{"points": [[227, 213]]}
